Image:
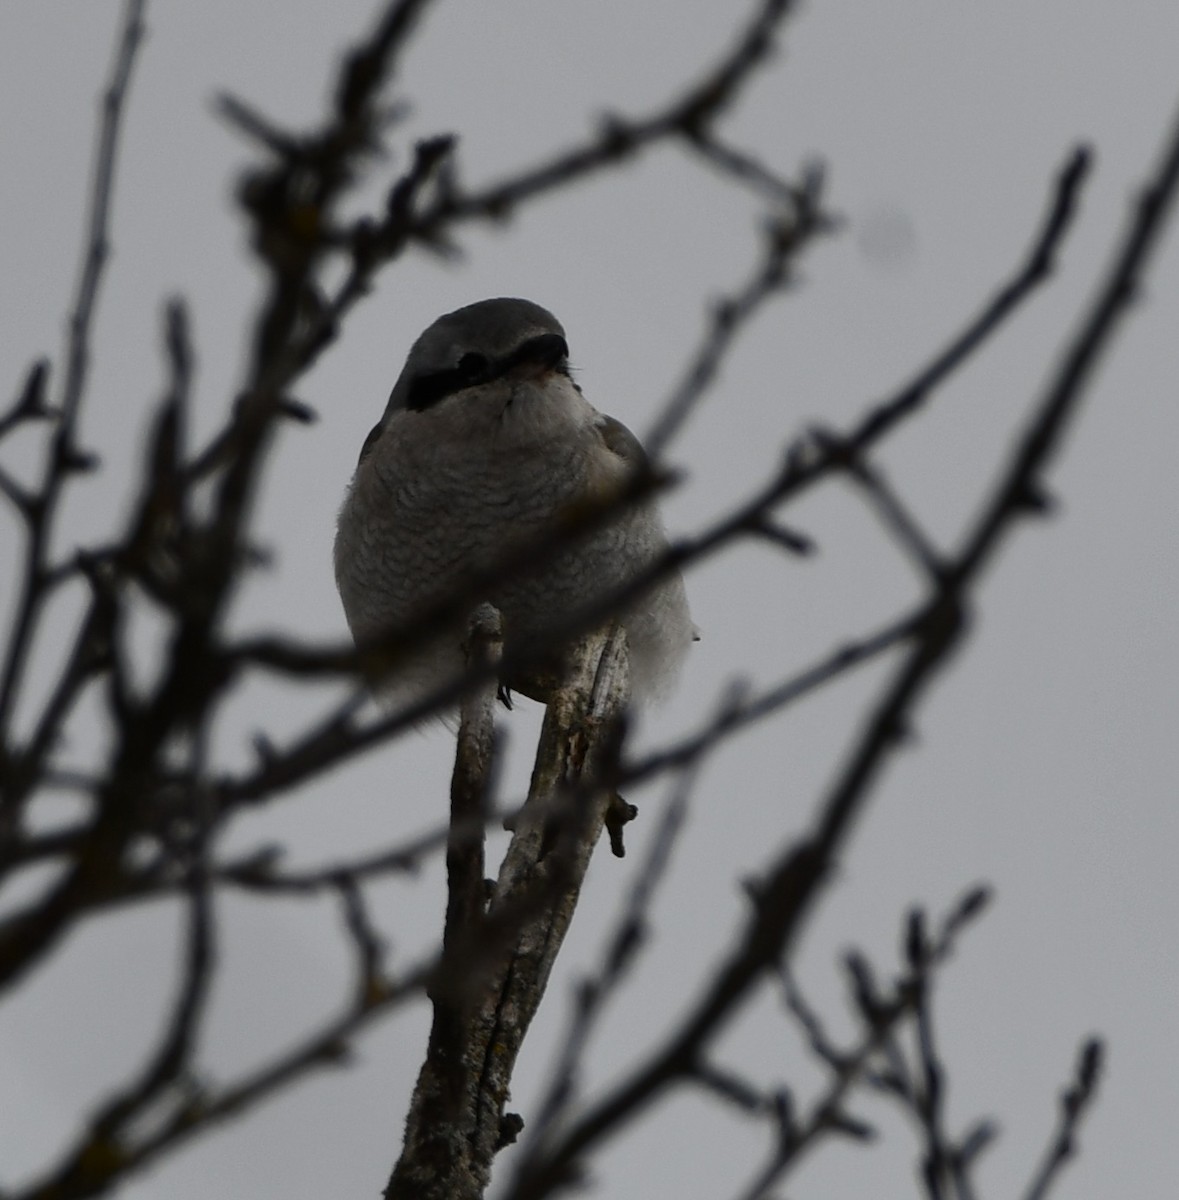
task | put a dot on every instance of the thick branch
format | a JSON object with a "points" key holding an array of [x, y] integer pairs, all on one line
{"points": [[485, 997]]}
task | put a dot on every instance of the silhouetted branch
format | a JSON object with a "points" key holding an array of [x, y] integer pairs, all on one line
{"points": [[882, 1012], [29, 404], [793, 223], [105, 1152], [1075, 1103], [482, 1010], [905, 529], [110, 1150], [689, 116], [65, 457], [1037, 270]]}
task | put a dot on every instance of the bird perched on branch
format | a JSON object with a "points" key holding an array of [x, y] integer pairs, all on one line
{"points": [[491, 478]]}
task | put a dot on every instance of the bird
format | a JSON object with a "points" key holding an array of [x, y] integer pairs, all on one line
{"points": [[488, 447]]}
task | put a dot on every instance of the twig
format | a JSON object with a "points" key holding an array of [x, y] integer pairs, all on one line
{"points": [[368, 945], [791, 227], [203, 1107], [744, 711], [29, 404], [882, 1014], [64, 457], [1037, 269], [146, 549], [106, 1150], [1075, 1103], [896, 517], [732, 163], [703, 102]]}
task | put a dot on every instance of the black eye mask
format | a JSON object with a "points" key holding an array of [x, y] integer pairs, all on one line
{"points": [[547, 349]]}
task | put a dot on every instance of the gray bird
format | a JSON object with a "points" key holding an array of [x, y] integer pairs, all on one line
{"points": [[486, 447]]}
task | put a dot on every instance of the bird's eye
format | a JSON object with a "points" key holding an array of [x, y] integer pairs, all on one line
{"points": [[427, 390], [472, 365]]}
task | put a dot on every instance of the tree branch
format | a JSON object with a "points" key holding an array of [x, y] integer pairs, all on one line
{"points": [[484, 1002], [64, 457]]}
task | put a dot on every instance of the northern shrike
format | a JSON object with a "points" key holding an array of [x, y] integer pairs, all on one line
{"points": [[486, 447]]}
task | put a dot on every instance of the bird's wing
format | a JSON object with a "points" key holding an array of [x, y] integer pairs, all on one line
{"points": [[620, 441], [370, 441]]}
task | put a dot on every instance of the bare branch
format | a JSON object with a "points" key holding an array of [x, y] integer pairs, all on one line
{"points": [[689, 116], [790, 227], [484, 1006], [1036, 270], [105, 1151], [626, 941], [29, 404], [896, 518], [64, 457], [882, 1012], [1075, 1103]]}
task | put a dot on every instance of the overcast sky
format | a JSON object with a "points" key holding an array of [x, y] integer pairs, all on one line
{"points": [[1047, 759]]}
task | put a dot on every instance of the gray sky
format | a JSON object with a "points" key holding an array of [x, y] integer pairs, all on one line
{"points": [[1047, 759]]}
